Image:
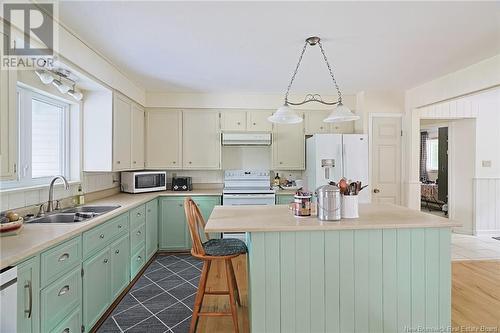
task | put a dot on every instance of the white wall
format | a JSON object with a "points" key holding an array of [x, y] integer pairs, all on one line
{"points": [[376, 102], [468, 93]]}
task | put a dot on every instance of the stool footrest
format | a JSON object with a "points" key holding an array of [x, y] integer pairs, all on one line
{"points": [[214, 314], [218, 292]]}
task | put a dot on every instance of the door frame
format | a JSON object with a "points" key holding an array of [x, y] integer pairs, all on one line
{"points": [[372, 115]]}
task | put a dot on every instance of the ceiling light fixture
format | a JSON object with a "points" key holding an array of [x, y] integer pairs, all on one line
{"points": [[286, 115], [75, 94], [44, 76], [63, 89]]}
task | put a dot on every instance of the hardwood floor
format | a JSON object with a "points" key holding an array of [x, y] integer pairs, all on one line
{"points": [[217, 281], [476, 294]]}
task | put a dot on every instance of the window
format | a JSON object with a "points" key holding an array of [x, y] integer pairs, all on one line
{"points": [[432, 154], [43, 138]]}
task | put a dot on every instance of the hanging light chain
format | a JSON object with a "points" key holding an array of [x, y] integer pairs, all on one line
{"points": [[331, 72], [295, 73]]}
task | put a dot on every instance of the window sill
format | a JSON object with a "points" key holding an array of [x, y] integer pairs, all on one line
{"points": [[36, 187]]}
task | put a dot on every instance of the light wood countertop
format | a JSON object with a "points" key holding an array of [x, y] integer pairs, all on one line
{"points": [[37, 237], [280, 218]]}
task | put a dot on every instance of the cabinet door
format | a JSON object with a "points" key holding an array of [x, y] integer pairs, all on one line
{"points": [[164, 139], [233, 120], [151, 228], [174, 234], [201, 146], [137, 137], [314, 122], [345, 127], [122, 137], [28, 292], [120, 265], [206, 205], [257, 121], [288, 147], [8, 124], [96, 287], [284, 199]]}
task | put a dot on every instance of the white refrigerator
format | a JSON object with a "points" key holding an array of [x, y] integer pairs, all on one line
{"points": [[350, 155]]}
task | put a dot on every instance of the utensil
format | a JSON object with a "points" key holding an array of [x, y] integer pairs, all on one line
{"points": [[343, 186]]}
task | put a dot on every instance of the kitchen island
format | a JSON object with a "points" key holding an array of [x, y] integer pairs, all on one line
{"points": [[387, 271]]}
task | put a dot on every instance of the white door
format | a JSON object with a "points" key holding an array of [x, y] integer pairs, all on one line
{"points": [[386, 159], [121, 133], [201, 140], [137, 137], [164, 139]]}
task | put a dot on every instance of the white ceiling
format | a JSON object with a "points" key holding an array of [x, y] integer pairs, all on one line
{"points": [[253, 47]]}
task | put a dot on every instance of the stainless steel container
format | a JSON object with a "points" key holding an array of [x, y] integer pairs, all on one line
{"points": [[328, 202]]}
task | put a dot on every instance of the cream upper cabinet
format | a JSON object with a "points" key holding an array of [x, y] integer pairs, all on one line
{"points": [[122, 136], [164, 139], [201, 140], [233, 120], [288, 147], [8, 125], [137, 137], [314, 123], [345, 127], [257, 121]]}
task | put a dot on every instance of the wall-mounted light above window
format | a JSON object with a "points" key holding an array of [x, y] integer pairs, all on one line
{"points": [[62, 80]]}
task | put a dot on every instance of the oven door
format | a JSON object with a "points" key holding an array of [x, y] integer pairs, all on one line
{"points": [[248, 199], [145, 182]]}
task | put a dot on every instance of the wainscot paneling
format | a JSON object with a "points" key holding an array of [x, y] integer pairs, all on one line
{"points": [[487, 205]]}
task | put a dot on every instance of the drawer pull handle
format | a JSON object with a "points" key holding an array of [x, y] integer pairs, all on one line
{"points": [[180, 205], [63, 290], [149, 210], [105, 261], [138, 214], [101, 236], [138, 232], [66, 330], [30, 302], [117, 162], [119, 226], [117, 251], [139, 258], [63, 257]]}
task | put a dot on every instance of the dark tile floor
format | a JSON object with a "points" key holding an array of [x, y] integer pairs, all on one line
{"points": [[161, 300]]}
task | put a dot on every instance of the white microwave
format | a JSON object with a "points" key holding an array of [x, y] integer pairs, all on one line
{"points": [[143, 181]]}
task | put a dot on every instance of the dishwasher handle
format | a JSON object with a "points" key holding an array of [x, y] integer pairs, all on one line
{"points": [[29, 286]]}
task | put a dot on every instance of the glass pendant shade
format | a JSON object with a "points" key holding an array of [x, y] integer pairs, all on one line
{"points": [[63, 89], [44, 76], [340, 114], [285, 115]]}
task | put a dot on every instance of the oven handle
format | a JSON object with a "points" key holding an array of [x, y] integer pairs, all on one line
{"points": [[256, 196]]}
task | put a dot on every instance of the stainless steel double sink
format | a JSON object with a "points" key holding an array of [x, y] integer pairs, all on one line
{"points": [[73, 215]]}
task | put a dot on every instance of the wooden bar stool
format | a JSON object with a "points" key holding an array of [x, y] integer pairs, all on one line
{"points": [[212, 249]]}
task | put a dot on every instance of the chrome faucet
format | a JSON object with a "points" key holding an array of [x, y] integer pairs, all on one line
{"points": [[50, 204]]}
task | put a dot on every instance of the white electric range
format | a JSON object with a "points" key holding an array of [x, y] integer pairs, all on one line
{"points": [[246, 187]]}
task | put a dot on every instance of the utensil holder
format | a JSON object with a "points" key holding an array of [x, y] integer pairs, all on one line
{"points": [[350, 206]]}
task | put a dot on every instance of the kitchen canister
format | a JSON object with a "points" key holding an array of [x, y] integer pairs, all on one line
{"points": [[301, 205], [328, 203], [350, 207]]}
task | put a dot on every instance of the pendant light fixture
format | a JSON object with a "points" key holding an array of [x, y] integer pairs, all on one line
{"points": [[286, 115]]}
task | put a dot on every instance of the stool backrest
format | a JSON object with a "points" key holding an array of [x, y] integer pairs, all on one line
{"points": [[195, 221]]}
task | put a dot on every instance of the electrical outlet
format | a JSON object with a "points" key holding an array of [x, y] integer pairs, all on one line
{"points": [[486, 164]]}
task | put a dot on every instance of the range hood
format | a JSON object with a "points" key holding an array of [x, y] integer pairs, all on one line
{"points": [[246, 139]]}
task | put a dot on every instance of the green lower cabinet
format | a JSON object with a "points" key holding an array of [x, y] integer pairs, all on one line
{"points": [[284, 199], [151, 228], [137, 261], [174, 232], [120, 265], [60, 298], [28, 291], [96, 287], [71, 324]]}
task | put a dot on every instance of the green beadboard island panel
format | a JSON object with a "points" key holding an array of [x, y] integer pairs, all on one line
{"points": [[389, 280]]}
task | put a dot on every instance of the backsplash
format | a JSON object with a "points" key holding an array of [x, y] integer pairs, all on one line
{"points": [[91, 182]]}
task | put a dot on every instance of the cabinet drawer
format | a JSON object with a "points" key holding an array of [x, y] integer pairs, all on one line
{"points": [[71, 324], [137, 260], [137, 216], [99, 237], [137, 237], [59, 259], [60, 298]]}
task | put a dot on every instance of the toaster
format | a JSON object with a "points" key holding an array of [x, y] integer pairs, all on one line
{"points": [[182, 184]]}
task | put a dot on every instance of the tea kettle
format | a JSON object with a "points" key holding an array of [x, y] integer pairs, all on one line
{"points": [[328, 203]]}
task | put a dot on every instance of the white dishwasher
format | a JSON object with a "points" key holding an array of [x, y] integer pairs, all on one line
{"points": [[8, 299]]}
